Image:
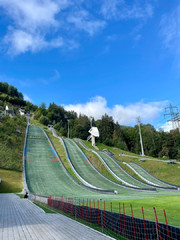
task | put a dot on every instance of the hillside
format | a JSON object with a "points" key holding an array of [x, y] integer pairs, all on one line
{"points": [[9, 95], [12, 133]]}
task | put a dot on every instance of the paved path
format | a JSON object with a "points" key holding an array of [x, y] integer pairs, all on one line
{"points": [[21, 219]]}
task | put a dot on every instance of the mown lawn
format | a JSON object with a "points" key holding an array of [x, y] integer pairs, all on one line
{"points": [[11, 181], [171, 204]]}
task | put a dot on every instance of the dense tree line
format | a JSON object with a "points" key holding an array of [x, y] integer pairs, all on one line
{"points": [[156, 144], [9, 95], [10, 90]]}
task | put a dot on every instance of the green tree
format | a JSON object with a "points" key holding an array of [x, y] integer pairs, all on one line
{"points": [[43, 105], [106, 129], [44, 120]]}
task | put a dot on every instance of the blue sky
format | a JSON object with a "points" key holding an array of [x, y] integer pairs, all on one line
{"points": [[119, 57]]}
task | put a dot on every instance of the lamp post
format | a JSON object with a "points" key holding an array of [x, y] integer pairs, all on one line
{"points": [[68, 127], [91, 118], [141, 141]]}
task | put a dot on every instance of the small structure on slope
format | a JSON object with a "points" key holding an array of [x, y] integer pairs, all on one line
{"points": [[8, 112], [22, 111]]}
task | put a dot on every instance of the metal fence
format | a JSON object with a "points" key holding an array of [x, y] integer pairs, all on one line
{"points": [[120, 224]]}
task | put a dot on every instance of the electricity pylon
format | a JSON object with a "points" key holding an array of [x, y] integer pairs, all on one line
{"points": [[174, 116]]}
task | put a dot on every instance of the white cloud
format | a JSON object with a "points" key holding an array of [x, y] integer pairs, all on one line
{"points": [[170, 30], [32, 14], [20, 41], [83, 21], [167, 127], [27, 98], [125, 115], [32, 20], [119, 9], [43, 24]]}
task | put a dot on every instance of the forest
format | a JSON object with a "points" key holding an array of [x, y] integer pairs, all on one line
{"points": [[156, 143]]}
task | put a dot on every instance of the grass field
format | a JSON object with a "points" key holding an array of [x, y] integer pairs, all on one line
{"points": [[169, 203], [11, 181]]}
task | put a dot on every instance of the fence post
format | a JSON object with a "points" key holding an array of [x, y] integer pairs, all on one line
{"points": [[68, 205], [157, 225], [75, 209], [124, 219], [50, 201], [55, 200], [49, 197], [144, 223], [101, 216], [62, 204], [133, 222], [79, 209], [83, 210], [71, 202], [95, 212], [98, 212], [90, 210], [87, 209], [167, 225], [111, 218], [104, 214], [119, 218]]}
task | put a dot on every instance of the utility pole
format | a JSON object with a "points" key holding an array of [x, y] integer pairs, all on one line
{"points": [[68, 127], [141, 142], [174, 116]]}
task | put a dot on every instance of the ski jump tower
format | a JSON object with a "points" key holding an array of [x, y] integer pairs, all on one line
{"points": [[94, 133]]}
